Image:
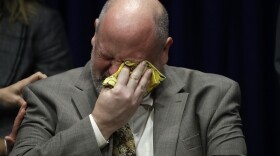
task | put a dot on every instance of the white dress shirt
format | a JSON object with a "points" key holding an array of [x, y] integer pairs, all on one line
{"points": [[141, 125]]}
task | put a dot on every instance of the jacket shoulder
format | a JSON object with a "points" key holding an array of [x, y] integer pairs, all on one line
{"points": [[194, 79], [57, 83]]}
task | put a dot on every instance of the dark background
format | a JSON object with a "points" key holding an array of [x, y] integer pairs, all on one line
{"points": [[235, 38]]}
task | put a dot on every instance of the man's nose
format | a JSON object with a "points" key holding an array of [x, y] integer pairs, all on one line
{"points": [[114, 67]]}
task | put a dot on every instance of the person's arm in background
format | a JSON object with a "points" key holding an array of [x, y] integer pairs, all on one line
{"points": [[50, 43], [11, 96], [2, 147], [11, 138]]}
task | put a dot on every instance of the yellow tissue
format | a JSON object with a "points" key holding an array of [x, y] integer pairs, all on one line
{"points": [[156, 77]]}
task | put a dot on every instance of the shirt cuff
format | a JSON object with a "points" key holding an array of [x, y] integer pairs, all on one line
{"points": [[101, 141]]}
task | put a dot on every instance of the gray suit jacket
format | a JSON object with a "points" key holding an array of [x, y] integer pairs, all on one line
{"points": [[196, 114]]}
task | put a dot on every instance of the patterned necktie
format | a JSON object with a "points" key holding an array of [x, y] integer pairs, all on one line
{"points": [[123, 142]]}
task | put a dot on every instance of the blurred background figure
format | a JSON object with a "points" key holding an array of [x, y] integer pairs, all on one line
{"points": [[32, 38], [10, 97], [277, 47]]}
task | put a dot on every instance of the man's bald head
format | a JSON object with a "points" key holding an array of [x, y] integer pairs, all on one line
{"points": [[130, 30], [136, 14]]}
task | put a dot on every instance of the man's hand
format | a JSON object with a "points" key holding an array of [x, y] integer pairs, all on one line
{"points": [[10, 139], [11, 95], [114, 107]]}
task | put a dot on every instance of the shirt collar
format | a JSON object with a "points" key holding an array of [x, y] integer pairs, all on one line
{"points": [[147, 100]]}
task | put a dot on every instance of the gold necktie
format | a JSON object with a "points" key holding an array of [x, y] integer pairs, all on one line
{"points": [[123, 142]]}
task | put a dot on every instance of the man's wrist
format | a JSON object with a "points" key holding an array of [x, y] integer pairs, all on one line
{"points": [[101, 141]]}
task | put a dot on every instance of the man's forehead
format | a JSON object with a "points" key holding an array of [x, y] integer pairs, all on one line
{"points": [[127, 33]]}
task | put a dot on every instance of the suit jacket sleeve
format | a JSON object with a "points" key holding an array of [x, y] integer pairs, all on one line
{"points": [[50, 43], [38, 134], [224, 134]]}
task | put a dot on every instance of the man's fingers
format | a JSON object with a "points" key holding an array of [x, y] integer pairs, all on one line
{"points": [[123, 77], [143, 84], [136, 75]]}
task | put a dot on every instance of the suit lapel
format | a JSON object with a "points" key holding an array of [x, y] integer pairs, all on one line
{"points": [[82, 102], [85, 95], [169, 103]]}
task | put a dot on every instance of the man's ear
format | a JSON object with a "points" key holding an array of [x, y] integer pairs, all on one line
{"points": [[167, 45]]}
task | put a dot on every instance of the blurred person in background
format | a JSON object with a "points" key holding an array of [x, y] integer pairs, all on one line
{"points": [[32, 38], [277, 47]]}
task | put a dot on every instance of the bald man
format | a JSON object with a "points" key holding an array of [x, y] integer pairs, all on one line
{"points": [[189, 114]]}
